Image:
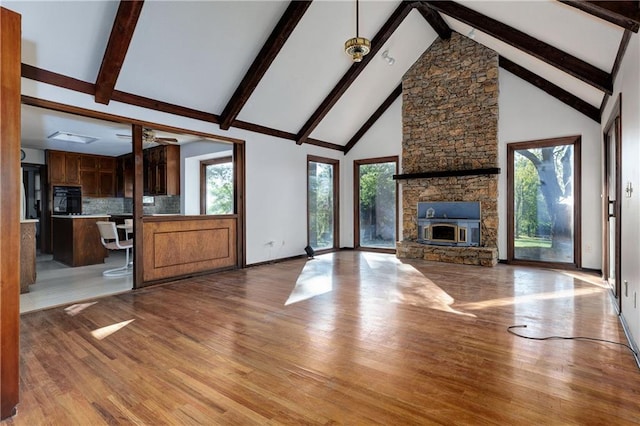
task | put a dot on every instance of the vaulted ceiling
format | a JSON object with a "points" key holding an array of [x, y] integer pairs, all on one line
{"points": [[278, 67]]}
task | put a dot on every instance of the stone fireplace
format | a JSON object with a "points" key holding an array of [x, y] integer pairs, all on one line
{"points": [[450, 144]]}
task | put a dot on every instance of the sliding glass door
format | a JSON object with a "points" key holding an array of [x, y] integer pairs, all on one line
{"points": [[375, 215], [322, 203]]}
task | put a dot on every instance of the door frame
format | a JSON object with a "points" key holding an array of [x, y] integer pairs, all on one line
{"points": [[336, 201], [576, 141], [614, 123]]}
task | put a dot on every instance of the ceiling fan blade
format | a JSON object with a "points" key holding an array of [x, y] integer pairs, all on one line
{"points": [[166, 141], [121, 136]]}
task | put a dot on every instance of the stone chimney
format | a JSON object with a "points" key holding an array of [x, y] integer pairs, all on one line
{"points": [[450, 124]]}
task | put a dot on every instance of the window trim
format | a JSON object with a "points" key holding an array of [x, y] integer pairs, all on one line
{"points": [[203, 173], [336, 200]]}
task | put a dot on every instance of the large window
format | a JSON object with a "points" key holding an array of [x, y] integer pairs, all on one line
{"points": [[544, 201], [322, 203], [216, 186], [376, 203]]}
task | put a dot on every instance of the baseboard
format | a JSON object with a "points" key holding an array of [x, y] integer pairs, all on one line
{"points": [[632, 343]]}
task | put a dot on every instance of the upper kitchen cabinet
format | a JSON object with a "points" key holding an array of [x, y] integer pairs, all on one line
{"points": [[125, 175], [63, 168], [95, 173], [162, 170]]}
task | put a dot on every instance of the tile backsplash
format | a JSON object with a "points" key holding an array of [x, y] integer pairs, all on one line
{"points": [[162, 204]]}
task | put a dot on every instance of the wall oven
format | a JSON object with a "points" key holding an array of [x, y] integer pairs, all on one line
{"points": [[67, 200]]}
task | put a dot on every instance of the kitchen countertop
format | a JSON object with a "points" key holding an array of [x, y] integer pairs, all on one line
{"points": [[79, 216], [29, 220]]}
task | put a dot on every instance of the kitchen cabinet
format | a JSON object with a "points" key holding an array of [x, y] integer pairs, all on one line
{"points": [[27, 254], [125, 176], [63, 167], [76, 240], [162, 170]]}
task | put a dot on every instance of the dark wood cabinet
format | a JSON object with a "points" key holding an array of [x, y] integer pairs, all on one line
{"points": [[162, 170], [76, 240], [63, 168], [125, 174], [95, 173]]}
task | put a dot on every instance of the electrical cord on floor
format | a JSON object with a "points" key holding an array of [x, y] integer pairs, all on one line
{"points": [[593, 339]]}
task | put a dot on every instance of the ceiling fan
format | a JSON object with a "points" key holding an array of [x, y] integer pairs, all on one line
{"points": [[149, 136]]}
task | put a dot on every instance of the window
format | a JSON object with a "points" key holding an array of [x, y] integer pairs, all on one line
{"points": [[216, 186], [375, 217], [322, 203], [544, 201]]}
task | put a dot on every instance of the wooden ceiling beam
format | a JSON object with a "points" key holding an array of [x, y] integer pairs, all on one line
{"points": [[354, 71], [435, 20], [520, 40], [625, 14], [562, 95], [279, 36], [374, 117], [117, 46]]}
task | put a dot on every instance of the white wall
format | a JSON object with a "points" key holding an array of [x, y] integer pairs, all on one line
{"points": [[628, 84], [527, 113]]}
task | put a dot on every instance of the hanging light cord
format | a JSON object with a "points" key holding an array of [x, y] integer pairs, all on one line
{"points": [[357, 19], [593, 339]]}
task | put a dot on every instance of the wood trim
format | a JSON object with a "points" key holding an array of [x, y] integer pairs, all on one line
{"points": [[138, 208], [336, 200], [58, 80], [354, 71], [356, 199], [614, 122], [576, 141], [278, 37], [10, 51], [447, 173], [520, 40], [240, 190], [55, 106], [625, 14], [624, 42], [435, 20], [550, 88], [374, 117], [117, 46]]}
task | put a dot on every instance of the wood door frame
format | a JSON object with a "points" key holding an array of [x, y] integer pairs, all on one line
{"points": [[336, 200], [10, 40], [356, 200], [615, 123], [577, 214]]}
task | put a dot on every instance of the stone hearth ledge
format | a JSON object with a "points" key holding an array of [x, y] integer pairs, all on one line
{"points": [[481, 256]]}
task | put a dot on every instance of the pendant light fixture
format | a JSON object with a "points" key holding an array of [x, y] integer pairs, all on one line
{"points": [[357, 46]]}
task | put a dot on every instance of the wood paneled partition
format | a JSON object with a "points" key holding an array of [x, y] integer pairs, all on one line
{"points": [[10, 38], [186, 245]]}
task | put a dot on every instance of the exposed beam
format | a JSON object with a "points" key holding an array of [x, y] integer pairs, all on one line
{"points": [[59, 80], [624, 42], [435, 20], [279, 36], [374, 117], [354, 71], [117, 46], [550, 88], [520, 40], [625, 14]]}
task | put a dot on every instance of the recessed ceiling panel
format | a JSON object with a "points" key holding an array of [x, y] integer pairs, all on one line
{"points": [[377, 81], [195, 54], [311, 63], [66, 37]]}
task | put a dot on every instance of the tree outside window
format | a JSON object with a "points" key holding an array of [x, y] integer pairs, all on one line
{"points": [[216, 179]]}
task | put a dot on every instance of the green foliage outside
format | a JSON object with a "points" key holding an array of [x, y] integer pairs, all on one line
{"points": [[219, 179], [320, 205], [377, 204]]}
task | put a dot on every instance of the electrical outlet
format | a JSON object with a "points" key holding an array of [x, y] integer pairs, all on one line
{"points": [[270, 243]]}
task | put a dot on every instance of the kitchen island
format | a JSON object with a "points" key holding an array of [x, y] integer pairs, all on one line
{"points": [[76, 239]]}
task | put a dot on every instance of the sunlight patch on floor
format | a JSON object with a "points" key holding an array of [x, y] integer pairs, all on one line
{"points": [[102, 332], [569, 293], [413, 287], [74, 310], [314, 280]]}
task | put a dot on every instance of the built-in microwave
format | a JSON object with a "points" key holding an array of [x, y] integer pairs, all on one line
{"points": [[67, 200]]}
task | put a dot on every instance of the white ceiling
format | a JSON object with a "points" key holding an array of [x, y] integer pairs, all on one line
{"points": [[195, 53]]}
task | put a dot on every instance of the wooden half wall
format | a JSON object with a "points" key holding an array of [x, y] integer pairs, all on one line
{"points": [[180, 246]]}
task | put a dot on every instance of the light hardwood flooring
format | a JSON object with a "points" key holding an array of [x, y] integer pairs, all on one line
{"points": [[347, 338], [58, 284]]}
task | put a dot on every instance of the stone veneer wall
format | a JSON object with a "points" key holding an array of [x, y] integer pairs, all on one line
{"points": [[450, 123]]}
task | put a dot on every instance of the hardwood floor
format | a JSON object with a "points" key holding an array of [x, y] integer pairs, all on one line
{"points": [[346, 338]]}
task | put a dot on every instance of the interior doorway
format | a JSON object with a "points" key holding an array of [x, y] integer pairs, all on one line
{"points": [[612, 190]]}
